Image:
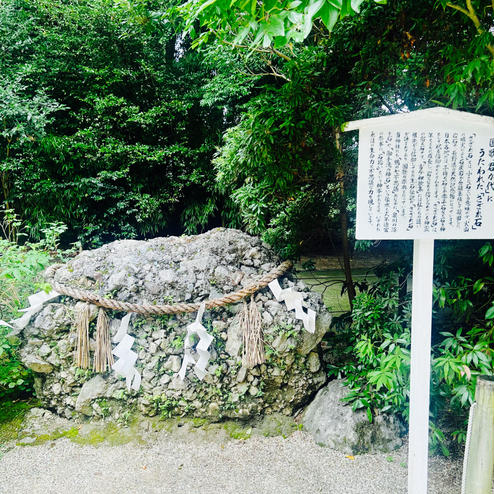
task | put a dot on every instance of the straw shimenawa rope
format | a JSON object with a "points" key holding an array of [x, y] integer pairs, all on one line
{"points": [[150, 309]]}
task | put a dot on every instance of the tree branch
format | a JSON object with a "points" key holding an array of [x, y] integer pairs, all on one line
{"points": [[282, 55], [458, 8], [260, 74], [472, 15], [272, 51]]}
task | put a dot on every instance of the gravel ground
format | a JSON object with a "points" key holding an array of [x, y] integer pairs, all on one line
{"points": [[189, 464]]}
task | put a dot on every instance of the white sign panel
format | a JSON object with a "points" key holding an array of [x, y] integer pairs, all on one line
{"points": [[418, 180]]}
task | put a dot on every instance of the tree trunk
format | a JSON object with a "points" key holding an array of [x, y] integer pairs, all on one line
{"points": [[340, 176]]}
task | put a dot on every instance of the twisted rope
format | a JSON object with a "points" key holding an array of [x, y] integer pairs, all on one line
{"points": [[150, 309]]}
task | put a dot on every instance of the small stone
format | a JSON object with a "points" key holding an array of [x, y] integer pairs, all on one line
{"points": [[165, 379], [242, 373], [333, 423], [158, 335], [253, 390], [234, 340], [176, 383], [53, 359], [148, 374], [219, 325], [167, 276], [267, 317], [56, 388], [44, 350], [63, 347], [173, 363], [37, 365], [313, 362], [92, 389], [242, 388]]}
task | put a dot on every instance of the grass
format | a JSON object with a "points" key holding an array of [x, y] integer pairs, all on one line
{"points": [[12, 414]]}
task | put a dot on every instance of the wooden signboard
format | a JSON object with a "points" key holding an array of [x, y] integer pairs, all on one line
{"points": [[424, 175]]}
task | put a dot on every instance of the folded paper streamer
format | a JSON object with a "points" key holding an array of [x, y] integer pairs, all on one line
{"points": [[123, 328], [127, 358], [293, 300], [202, 346], [36, 302]]}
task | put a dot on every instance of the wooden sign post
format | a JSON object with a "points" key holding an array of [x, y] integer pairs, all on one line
{"points": [[424, 175]]}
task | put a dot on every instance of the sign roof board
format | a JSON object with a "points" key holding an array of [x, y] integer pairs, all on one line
{"points": [[425, 174], [429, 114]]}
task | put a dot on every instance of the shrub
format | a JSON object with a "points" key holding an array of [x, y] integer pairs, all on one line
{"points": [[19, 277], [378, 352]]}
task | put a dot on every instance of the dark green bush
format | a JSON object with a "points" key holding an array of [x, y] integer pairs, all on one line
{"points": [[378, 352], [115, 141]]}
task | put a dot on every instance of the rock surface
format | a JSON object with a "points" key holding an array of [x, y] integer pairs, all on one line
{"points": [[333, 423], [168, 270]]}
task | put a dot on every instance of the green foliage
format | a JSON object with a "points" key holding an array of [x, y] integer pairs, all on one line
{"points": [[110, 135], [276, 164], [268, 23], [20, 266], [379, 346], [469, 68], [14, 377], [378, 364]]}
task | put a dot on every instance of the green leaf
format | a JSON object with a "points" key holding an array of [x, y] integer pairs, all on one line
{"points": [[356, 5], [275, 26], [329, 15], [478, 285], [313, 8], [490, 313]]}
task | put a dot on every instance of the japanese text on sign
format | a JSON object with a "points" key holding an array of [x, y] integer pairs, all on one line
{"points": [[425, 183]]}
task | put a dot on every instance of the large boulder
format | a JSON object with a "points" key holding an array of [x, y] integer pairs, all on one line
{"points": [[333, 423], [169, 270]]}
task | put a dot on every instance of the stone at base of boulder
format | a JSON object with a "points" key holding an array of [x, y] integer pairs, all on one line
{"points": [[334, 424], [94, 388]]}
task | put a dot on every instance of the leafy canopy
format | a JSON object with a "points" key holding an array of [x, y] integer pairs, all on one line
{"points": [[268, 23]]}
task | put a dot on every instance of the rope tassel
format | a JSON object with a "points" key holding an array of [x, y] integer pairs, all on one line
{"points": [[103, 358], [253, 344], [82, 328]]}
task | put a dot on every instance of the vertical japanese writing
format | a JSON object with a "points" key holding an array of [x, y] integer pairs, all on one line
{"points": [[404, 174], [468, 185], [387, 182], [371, 179], [453, 177], [396, 182], [489, 188], [412, 182], [444, 182], [461, 180], [379, 180], [436, 188], [480, 189]]}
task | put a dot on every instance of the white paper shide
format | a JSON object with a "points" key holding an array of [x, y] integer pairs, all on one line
{"points": [[196, 329], [125, 365], [293, 301]]}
